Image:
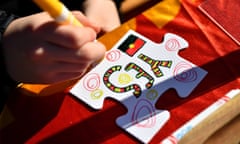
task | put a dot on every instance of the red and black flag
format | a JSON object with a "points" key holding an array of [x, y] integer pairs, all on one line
{"points": [[131, 45]]}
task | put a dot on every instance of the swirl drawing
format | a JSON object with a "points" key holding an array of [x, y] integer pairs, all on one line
{"points": [[91, 82], [144, 111], [184, 72], [172, 45]]}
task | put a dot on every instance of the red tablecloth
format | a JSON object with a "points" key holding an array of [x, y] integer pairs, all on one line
{"points": [[60, 118]]}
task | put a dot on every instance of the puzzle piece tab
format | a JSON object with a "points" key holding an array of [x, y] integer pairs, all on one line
{"points": [[136, 72]]}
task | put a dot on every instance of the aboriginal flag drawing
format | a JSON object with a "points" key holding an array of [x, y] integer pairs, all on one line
{"points": [[131, 45]]}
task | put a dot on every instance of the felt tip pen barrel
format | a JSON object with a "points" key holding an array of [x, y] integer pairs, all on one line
{"points": [[58, 11]]}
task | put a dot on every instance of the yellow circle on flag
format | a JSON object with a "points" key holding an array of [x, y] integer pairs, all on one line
{"points": [[131, 46]]}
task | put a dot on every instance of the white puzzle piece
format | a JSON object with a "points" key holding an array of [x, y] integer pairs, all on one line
{"points": [[136, 72]]}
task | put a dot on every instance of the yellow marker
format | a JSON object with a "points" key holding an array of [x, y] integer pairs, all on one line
{"points": [[58, 11]]}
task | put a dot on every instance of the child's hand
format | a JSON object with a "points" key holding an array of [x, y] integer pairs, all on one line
{"points": [[37, 50]]}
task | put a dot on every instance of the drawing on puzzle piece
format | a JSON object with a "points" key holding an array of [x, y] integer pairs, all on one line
{"points": [[136, 72]]}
